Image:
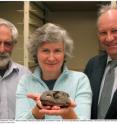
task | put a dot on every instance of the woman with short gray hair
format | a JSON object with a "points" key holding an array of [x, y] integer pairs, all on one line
{"points": [[51, 33], [50, 45]]}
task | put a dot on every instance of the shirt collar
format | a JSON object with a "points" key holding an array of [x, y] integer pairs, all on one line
{"points": [[108, 59], [37, 71], [12, 67]]}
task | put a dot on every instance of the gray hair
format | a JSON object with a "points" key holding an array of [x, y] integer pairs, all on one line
{"points": [[49, 33], [12, 27], [105, 8]]}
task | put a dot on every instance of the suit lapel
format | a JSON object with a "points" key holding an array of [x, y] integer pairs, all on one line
{"points": [[98, 71]]}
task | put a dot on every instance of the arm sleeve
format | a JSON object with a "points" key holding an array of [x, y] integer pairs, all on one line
{"points": [[83, 98], [24, 105]]}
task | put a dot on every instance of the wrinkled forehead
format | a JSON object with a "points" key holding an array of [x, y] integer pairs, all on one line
{"points": [[5, 32], [4, 27], [110, 15]]}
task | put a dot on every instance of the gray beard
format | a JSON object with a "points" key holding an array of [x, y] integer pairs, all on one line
{"points": [[4, 60]]}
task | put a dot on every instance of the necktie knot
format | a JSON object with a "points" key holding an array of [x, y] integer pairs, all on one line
{"points": [[113, 64]]}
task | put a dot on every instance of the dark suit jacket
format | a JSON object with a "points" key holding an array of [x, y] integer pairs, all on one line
{"points": [[95, 70]]}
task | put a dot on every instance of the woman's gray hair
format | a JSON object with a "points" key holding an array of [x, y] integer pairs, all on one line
{"points": [[12, 27], [49, 33]]}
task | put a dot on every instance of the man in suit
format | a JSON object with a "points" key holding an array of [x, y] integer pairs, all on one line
{"points": [[97, 67]]}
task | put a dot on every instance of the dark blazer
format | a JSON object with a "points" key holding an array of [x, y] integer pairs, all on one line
{"points": [[95, 70]]}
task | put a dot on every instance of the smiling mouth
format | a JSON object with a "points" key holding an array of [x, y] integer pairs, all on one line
{"points": [[112, 45], [51, 63]]}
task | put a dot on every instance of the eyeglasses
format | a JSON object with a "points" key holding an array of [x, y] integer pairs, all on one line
{"points": [[7, 44]]}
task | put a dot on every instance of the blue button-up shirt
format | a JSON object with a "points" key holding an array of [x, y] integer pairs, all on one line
{"points": [[8, 85]]}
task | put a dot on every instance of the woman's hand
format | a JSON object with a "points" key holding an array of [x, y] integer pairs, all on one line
{"points": [[65, 113], [36, 110], [39, 111], [36, 98]]}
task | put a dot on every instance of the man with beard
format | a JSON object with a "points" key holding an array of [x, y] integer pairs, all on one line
{"points": [[10, 72]]}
